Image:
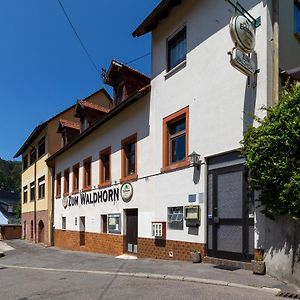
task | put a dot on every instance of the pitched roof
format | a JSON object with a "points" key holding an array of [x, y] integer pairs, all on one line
{"points": [[9, 198], [112, 113], [160, 12], [69, 124], [93, 106], [116, 66], [38, 129]]}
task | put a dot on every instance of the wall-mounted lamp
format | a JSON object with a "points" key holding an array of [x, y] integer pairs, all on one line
{"points": [[194, 159]]}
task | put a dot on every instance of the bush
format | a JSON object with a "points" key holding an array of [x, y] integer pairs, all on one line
{"points": [[272, 152]]}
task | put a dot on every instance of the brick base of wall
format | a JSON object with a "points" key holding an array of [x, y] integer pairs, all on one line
{"points": [[28, 231], [161, 249], [10, 232], [94, 242]]}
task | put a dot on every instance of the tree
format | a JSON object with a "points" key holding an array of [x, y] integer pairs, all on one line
{"points": [[272, 152]]}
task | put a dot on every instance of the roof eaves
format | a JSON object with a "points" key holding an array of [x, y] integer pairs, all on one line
{"points": [[160, 12], [124, 104]]}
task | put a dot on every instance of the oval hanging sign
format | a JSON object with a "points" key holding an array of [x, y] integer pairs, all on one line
{"points": [[242, 33], [126, 191]]}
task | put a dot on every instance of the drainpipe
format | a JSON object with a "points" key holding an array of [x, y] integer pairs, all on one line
{"points": [[275, 13], [35, 185], [52, 209]]}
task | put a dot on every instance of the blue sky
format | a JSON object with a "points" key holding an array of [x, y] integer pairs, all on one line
{"points": [[43, 68]]}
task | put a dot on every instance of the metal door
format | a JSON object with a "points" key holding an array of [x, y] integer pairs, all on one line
{"points": [[131, 230], [230, 231], [82, 231]]}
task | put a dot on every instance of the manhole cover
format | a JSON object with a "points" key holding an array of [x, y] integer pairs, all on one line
{"points": [[289, 295]]}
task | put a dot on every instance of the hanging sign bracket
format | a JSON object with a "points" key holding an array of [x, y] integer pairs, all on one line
{"points": [[239, 8]]}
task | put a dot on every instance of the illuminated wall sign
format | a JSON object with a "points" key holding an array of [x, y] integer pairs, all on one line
{"points": [[126, 191], [108, 195], [242, 33]]}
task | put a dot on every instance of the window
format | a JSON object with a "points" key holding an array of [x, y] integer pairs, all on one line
{"points": [[25, 162], [25, 194], [87, 173], [175, 218], [63, 223], [129, 158], [32, 191], [175, 140], [297, 17], [32, 156], [41, 189], [114, 223], [41, 147], [66, 182], [105, 175], [104, 223], [75, 178], [177, 49], [58, 185]]}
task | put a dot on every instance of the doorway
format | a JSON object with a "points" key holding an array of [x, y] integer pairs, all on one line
{"points": [[131, 230], [41, 232], [82, 231], [230, 222]]}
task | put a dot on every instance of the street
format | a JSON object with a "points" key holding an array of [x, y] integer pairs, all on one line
{"points": [[33, 272]]}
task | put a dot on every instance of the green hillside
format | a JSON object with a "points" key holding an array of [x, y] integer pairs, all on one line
{"points": [[10, 175]]}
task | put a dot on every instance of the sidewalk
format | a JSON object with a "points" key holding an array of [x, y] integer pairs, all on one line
{"points": [[35, 256]]}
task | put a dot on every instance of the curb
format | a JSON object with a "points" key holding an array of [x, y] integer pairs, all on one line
{"points": [[273, 291]]}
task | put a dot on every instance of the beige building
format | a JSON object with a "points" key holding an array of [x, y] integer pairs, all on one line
{"points": [[37, 187]]}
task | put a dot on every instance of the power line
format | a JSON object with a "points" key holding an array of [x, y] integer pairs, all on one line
{"points": [[78, 37], [140, 57]]}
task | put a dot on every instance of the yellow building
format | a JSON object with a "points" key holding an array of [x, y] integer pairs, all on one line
{"points": [[37, 179]]}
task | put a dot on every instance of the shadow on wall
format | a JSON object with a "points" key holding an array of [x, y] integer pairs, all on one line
{"points": [[281, 243], [250, 98]]}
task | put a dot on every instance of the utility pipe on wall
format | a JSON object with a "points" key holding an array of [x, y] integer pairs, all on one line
{"points": [[275, 19]]}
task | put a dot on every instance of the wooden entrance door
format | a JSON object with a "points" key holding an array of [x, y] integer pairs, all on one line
{"points": [[132, 230]]}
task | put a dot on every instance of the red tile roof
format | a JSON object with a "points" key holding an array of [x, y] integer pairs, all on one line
{"points": [[93, 106], [69, 124]]}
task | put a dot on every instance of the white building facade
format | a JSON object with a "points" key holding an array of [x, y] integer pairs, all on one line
{"points": [[130, 186]]}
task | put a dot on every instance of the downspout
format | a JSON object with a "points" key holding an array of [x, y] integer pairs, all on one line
{"points": [[52, 209], [275, 19], [35, 193]]}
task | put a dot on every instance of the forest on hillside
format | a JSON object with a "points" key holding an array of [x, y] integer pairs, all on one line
{"points": [[10, 175]]}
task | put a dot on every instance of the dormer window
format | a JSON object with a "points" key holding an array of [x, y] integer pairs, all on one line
{"points": [[84, 124]]}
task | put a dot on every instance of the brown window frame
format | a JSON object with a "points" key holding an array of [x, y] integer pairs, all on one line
{"points": [[41, 187], [167, 164], [25, 194], [75, 190], [84, 186], [32, 191], [102, 181], [58, 185], [66, 182], [128, 177]]}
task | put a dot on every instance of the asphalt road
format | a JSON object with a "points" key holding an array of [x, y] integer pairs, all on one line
{"points": [[23, 284]]}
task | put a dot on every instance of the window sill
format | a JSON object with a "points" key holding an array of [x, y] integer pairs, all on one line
{"points": [[58, 196], [43, 198], [104, 184], [132, 177], [175, 166], [66, 194], [176, 69], [75, 192], [87, 189]]}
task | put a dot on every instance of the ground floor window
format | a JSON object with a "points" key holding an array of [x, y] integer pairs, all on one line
{"points": [[175, 218], [114, 223], [63, 221]]}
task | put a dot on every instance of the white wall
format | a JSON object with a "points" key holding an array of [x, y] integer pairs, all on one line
{"points": [[217, 96]]}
